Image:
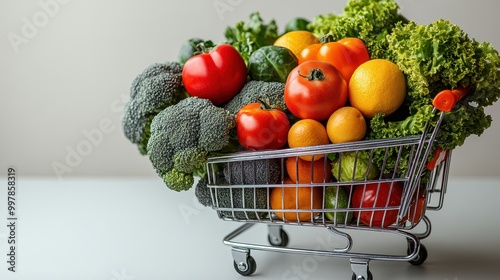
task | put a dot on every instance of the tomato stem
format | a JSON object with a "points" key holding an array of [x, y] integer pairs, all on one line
{"points": [[265, 104], [201, 48], [315, 74]]}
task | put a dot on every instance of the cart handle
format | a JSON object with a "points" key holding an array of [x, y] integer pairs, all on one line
{"points": [[439, 156], [446, 99]]}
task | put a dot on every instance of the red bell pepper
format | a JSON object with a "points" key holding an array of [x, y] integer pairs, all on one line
{"points": [[345, 54]]}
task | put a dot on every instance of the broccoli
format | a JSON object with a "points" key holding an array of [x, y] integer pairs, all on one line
{"points": [[255, 199], [183, 136], [255, 172], [157, 87], [271, 92], [230, 199], [203, 193]]}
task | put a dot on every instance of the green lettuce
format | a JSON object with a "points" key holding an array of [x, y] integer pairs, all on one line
{"points": [[368, 20], [247, 37], [435, 57]]}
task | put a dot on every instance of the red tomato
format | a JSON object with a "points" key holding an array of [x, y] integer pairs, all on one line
{"points": [[314, 90], [217, 75], [259, 127], [345, 54], [380, 195], [417, 208]]}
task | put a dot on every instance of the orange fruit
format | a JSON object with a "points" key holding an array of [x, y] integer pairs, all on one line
{"points": [[346, 124], [305, 172], [297, 40], [305, 133], [292, 197], [377, 86]]}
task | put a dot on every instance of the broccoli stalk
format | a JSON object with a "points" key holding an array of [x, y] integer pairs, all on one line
{"points": [[183, 136], [157, 87]]}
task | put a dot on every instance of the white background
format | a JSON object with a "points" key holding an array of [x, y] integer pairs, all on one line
{"points": [[74, 71]]}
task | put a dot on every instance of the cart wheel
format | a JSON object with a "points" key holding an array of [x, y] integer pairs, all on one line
{"points": [[246, 269], [421, 256], [280, 241], [354, 277]]}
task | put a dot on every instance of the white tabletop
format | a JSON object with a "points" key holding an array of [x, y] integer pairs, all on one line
{"points": [[135, 228]]}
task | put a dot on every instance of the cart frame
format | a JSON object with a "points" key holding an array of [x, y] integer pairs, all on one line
{"points": [[435, 189]]}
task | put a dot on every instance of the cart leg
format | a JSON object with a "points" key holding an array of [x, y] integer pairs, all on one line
{"points": [[360, 269]]}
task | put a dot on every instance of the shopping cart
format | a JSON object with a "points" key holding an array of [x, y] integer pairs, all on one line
{"points": [[243, 193]]}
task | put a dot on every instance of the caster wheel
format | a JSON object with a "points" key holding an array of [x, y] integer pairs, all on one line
{"points": [[421, 256], [246, 269], [354, 277], [282, 241]]}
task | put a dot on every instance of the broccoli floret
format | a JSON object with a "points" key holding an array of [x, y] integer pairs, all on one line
{"points": [[183, 136], [254, 172], [271, 92], [157, 87]]}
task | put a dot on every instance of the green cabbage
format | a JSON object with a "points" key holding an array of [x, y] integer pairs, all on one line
{"points": [[354, 166]]}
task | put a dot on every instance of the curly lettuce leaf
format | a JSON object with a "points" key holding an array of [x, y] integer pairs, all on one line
{"points": [[249, 36], [413, 125], [369, 20]]}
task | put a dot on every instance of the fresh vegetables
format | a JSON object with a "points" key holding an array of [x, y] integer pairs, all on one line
{"points": [[271, 64], [249, 36], [377, 195], [261, 127], [346, 54], [304, 83], [368, 20], [217, 75], [314, 90], [436, 57], [336, 199], [183, 136], [157, 87], [191, 47], [253, 91], [262, 171], [354, 166]]}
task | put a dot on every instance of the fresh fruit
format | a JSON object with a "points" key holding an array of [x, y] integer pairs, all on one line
{"points": [[296, 40], [260, 127], [377, 86], [271, 64], [314, 90], [337, 198], [305, 133], [303, 171], [377, 195], [290, 197], [346, 124]]}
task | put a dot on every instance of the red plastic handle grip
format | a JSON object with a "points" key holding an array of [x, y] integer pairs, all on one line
{"points": [[446, 99]]}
